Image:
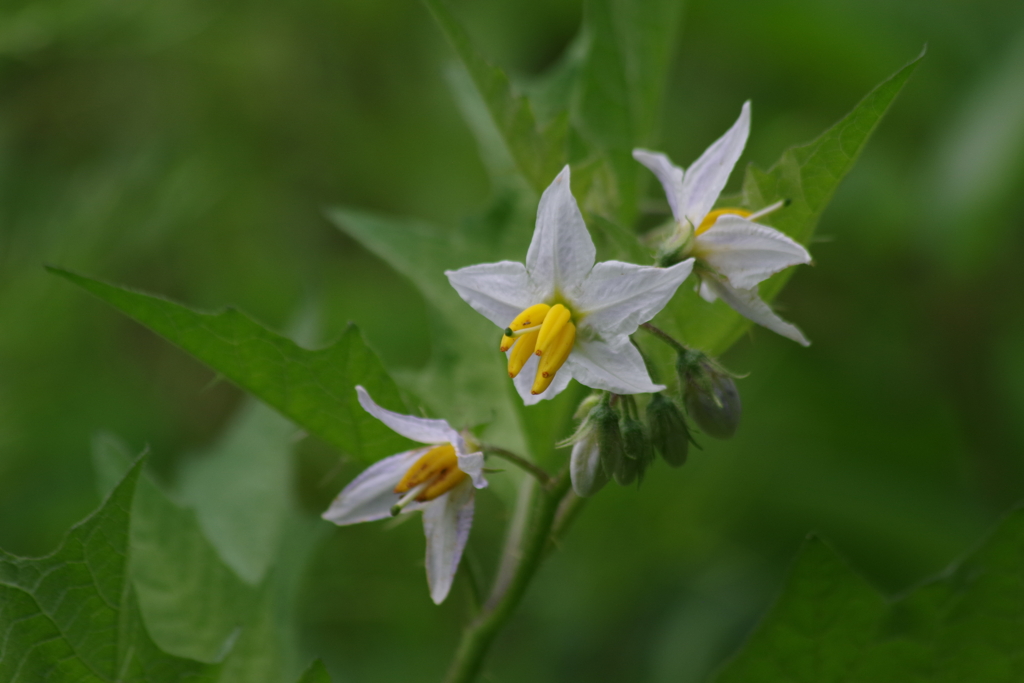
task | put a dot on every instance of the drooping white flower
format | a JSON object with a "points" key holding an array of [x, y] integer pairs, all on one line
{"points": [[734, 253], [563, 316], [438, 479]]}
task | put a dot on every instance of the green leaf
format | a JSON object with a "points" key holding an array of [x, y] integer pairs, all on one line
{"points": [[315, 389], [539, 152], [241, 489], [191, 602], [808, 175], [831, 626], [619, 94], [72, 616], [316, 673]]}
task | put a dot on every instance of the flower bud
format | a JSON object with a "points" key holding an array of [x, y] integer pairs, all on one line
{"points": [[609, 437], [669, 433], [709, 394], [585, 469], [637, 448]]}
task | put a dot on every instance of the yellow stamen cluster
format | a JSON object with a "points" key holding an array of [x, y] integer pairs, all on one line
{"points": [[710, 219], [438, 468], [542, 330]]}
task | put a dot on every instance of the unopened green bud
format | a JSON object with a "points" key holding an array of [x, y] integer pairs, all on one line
{"points": [[587, 404], [637, 448], [669, 433], [609, 438], [711, 399]]}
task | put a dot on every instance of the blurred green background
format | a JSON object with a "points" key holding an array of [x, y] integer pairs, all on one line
{"points": [[190, 148]]}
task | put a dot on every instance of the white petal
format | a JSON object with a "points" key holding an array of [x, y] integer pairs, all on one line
{"points": [[498, 291], [747, 253], [618, 296], [446, 523], [706, 178], [613, 366], [706, 292], [561, 252], [588, 477], [419, 429], [670, 175], [473, 465], [371, 495], [747, 303]]}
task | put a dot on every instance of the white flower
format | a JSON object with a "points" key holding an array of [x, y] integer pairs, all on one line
{"points": [[565, 317], [733, 252], [438, 480]]}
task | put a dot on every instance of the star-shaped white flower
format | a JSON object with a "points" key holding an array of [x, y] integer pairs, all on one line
{"points": [[734, 253], [438, 479], [565, 317]]}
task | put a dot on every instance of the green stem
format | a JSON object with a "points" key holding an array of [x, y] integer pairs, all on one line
{"points": [[665, 337], [538, 472], [526, 557]]}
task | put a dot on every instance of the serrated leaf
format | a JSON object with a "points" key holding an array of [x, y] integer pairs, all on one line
{"points": [[808, 175], [539, 151], [191, 602], [831, 626], [72, 616], [315, 389]]}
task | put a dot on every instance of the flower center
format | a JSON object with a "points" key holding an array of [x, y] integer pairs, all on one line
{"points": [[542, 330], [710, 219], [434, 474]]}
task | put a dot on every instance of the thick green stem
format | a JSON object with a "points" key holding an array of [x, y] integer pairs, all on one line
{"points": [[525, 557]]}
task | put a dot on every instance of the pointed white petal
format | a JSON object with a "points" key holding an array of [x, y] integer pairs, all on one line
{"points": [[371, 495], [446, 523], [747, 253], [588, 477], [524, 382], [613, 366], [473, 465], [670, 175], [747, 303], [419, 429], [561, 252], [706, 178], [618, 296], [498, 291]]}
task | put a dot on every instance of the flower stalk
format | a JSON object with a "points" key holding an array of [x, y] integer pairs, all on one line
{"points": [[525, 557]]}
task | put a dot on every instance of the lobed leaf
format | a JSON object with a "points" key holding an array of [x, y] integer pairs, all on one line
{"points": [[831, 626], [315, 389]]}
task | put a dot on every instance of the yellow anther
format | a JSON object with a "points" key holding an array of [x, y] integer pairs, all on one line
{"points": [[558, 351], [521, 353], [531, 317], [439, 466], [710, 219], [555, 321]]}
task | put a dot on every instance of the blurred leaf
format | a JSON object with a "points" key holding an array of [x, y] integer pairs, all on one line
{"points": [[619, 93], [830, 625], [241, 490], [807, 175], [465, 363], [313, 388], [316, 673], [71, 616], [538, 151]]}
